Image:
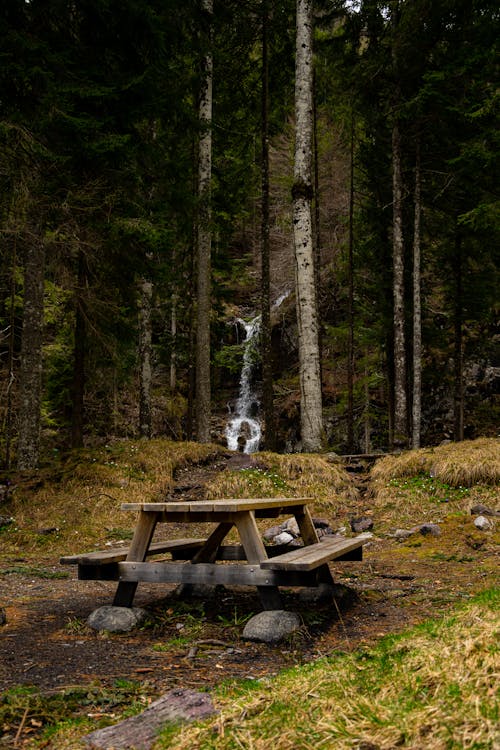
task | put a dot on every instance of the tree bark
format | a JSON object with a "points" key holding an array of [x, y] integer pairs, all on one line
{"points": [[28, 447], [350, 306], [400, 406], [78, 388], [204, 241], [145, 351], [266, 351], [417, 309], [10, 360], [458, 427], [173, 337], [302, 193]]}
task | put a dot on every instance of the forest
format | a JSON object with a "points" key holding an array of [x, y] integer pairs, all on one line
{"points": [[172, 171]]}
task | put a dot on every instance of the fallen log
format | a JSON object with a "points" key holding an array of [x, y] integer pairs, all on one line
{"points": [[139, 732]]}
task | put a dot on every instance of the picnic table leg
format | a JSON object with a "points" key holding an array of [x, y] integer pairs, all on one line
{"points": [[256, 552], [144, 530], [310, 536]]}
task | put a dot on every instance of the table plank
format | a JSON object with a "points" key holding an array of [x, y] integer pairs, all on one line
{"points": [[311, 557], [209, 574], [227, 505]]}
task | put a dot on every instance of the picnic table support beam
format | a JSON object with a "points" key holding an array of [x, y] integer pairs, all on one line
{"points": [[143, 534], [207, 554], [255, 551]]}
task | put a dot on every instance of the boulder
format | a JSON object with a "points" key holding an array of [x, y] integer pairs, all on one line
{"points": [[364, 523], [483, 510], [482, 523], [283, 538], [271, 626], [116, 619]]}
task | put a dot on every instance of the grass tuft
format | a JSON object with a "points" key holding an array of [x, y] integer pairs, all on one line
{"points": [[457, 464], [288, 475]]}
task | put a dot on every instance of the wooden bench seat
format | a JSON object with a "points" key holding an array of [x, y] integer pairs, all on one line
{"points": [[308, 558], [119, 554]]}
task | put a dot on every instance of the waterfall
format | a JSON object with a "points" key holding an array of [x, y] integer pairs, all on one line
{"points": [[243, 426]]}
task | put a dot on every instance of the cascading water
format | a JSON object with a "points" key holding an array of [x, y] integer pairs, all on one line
{"points": [[244, 429]]}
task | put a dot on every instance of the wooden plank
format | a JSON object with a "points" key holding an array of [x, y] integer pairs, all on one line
{"points": [[311, 557], [143, 534], [208, 553], [118, 554], [211, 574], [228, 505], [256, 552]]}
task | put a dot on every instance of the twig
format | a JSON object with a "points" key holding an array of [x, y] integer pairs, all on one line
{"points": [[21, 726]]}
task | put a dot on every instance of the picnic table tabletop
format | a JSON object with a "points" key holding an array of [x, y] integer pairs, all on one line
{"points": [[226, 505]]}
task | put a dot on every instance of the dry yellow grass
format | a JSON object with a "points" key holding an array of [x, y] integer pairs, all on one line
{"points": [[457, 464], [81, 499], [288, 475]]}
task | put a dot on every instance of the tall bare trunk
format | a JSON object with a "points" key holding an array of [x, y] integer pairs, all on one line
{"points": [[79, 355], [400, 407], [302, 193], [10, 360], [417, 309], [28, 447], [145, 350], [267, 368], [173, 337], [204, 241], [458, 342], [350, 309]]}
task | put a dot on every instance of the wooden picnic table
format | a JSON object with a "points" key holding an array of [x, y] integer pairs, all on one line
{"points": [[201, 561]]}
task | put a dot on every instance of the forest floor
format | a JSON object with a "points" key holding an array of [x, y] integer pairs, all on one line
{"points": [[197, 643]]}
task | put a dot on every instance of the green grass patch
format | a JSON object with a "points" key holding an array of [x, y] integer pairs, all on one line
{"points": [[434, 686], [34, 571]]}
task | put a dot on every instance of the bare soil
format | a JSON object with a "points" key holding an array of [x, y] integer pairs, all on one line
{"points": [[46, 643]]}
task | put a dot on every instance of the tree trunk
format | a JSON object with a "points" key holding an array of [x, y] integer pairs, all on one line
{"points": [[302, 193], [145, 350], [266, 351], [78, 388], [204, 241], [417, 310], [400, 408], [173, 337], [10, 360], [458, 427], [350, 307], [28, 447]]}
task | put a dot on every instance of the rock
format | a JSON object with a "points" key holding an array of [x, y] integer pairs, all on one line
{"points": [[283, 538], [269, 534], [320, 523], [483, 510], [271, 626], [482, 523], [292, 527], [116, 619], [403, 533], [430, 529], [364, 523], [140, 732]]}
